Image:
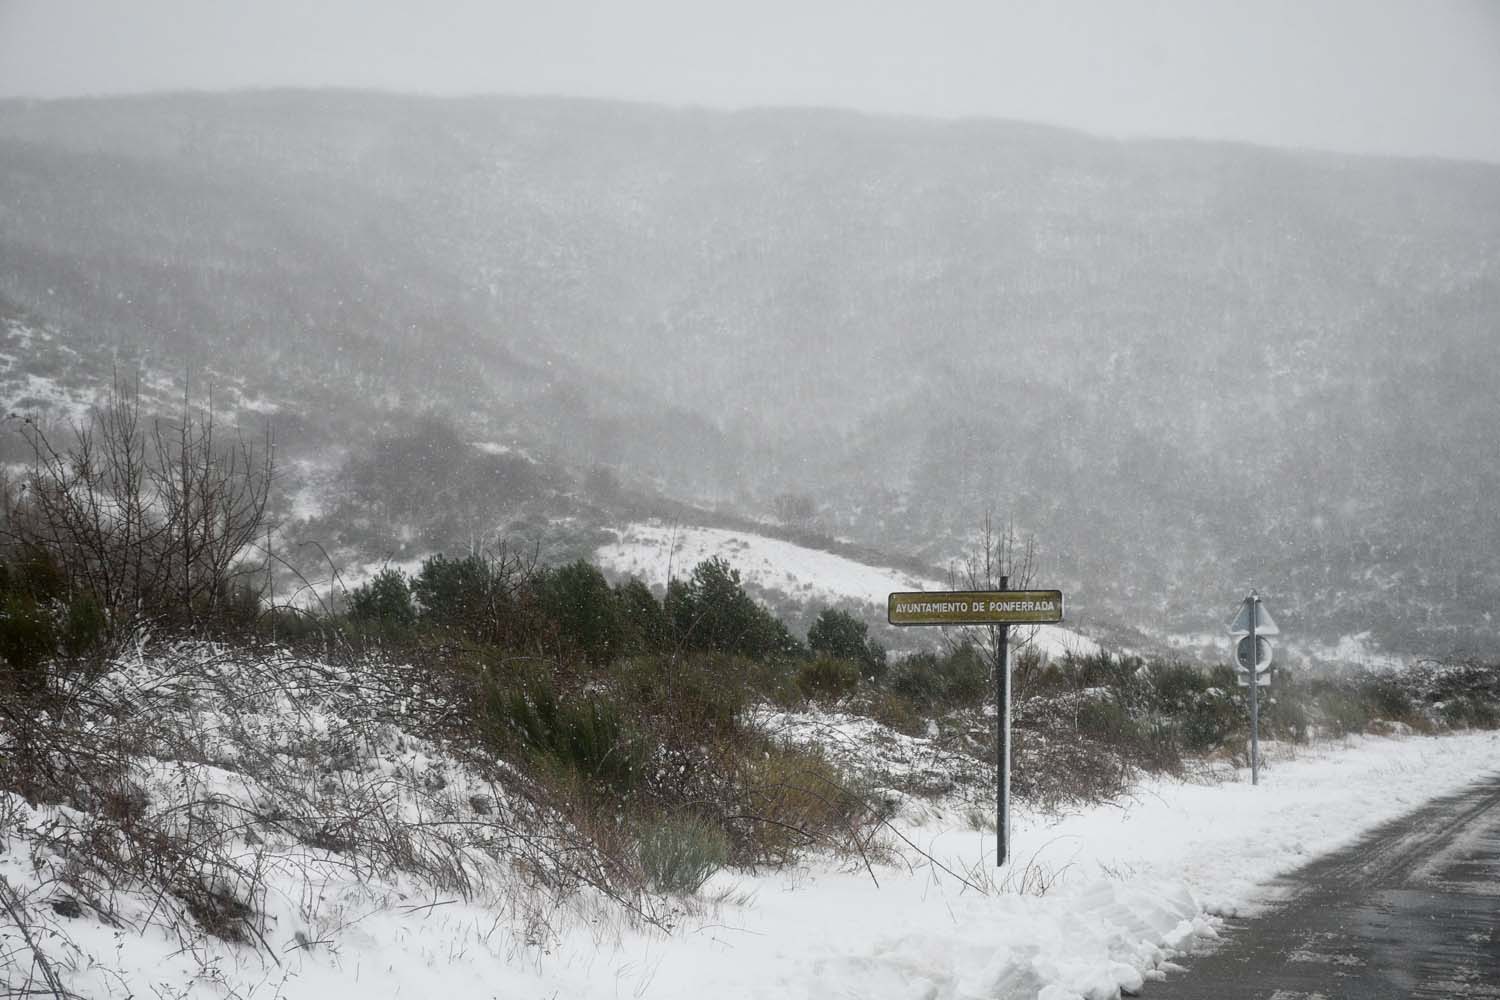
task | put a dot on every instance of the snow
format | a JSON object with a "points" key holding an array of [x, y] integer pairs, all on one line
{"points": [[1355, 650], [1127, 886], [888, 760], [1358, 650], [259, 404], [25, 335], [320, 589], [1226, 840], [315, 486], [655, 552], [1094, 903], [37, 393], [500, 448]]}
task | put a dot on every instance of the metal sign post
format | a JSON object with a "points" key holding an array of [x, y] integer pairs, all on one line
{"points": [[1254, 698], [1252, 655], [1001, 609], [1002, 738]]}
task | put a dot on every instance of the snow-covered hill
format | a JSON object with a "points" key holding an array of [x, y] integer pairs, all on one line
{"points": [[657, 552]]}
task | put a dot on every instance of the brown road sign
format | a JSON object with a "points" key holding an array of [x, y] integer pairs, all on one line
{"points": [[975, 607]]}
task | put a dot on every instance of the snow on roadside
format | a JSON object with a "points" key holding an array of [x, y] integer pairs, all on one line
{"points": [[1109, 894], [927, 775], [922, 933], [655, 551], [374, 863], [1127, 886], [1226, 842]]}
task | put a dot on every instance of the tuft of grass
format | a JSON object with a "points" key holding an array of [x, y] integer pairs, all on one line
{"points": [[680, 853], [700, 697], [589, 734], [828, 679]]}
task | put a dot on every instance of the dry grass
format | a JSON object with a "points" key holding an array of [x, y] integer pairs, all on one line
{"points": [[178, 789]]}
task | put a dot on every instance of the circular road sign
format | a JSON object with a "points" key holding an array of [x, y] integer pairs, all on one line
{"points": [[1262, 653]]}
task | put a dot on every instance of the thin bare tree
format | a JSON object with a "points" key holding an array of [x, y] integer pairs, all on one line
{"points": [[997, 555], [154, 523]]}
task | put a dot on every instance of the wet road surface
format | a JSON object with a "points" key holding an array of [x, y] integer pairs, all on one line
{"points": [[1412, 910]]}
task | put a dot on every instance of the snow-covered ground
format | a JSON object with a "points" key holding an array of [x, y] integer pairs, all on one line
{"points": [[1094, 902], [37, 395], [312, 487], [656, 552], [1226, 840], [1127, 887], [501, 448], [1358, 650], [323, 589], [44, 377]]}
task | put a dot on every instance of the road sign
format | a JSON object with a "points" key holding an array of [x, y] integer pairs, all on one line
{"points": [[1001, 608], [1250, 626], [975, 607], [1264, 623], [1262, 653]]}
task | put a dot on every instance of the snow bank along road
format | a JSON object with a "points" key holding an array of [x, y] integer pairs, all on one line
{"points": [[1412, 910], [1098, 902], [1133, 889]]}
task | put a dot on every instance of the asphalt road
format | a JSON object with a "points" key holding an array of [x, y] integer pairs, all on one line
{"points": [[1412, 910]]}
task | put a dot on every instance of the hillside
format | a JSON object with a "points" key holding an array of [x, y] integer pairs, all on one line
{"points": [[1188, 368]]}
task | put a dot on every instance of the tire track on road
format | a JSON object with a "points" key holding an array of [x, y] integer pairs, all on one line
{"points": [[1412, 910]]}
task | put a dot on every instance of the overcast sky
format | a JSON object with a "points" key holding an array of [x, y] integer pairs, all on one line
{"points": [[1412, 77]]}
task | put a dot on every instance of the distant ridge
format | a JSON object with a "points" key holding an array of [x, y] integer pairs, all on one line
{"points": [[1186, 367]]}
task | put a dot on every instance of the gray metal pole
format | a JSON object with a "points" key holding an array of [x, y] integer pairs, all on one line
{"points": [[1002, 738], [1254, 692]]}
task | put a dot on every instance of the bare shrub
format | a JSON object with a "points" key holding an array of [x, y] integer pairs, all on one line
{"points": [[792, 799], [997, 555], [152, 521], [1056, 772], [28, 970]]}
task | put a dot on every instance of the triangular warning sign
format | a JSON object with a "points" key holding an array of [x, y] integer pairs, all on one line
{"points": [[1264, 623]]}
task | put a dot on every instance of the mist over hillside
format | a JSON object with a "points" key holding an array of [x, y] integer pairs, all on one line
{"points": [[1187, 368]]}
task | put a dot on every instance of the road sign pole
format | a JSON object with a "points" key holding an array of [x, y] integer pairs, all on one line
{"points": [[1002, 738], [998, 610], [1252, 621], [1254, 693]]}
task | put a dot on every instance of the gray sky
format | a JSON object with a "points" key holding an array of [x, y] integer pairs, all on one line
{"points": [[1412, 77]]}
